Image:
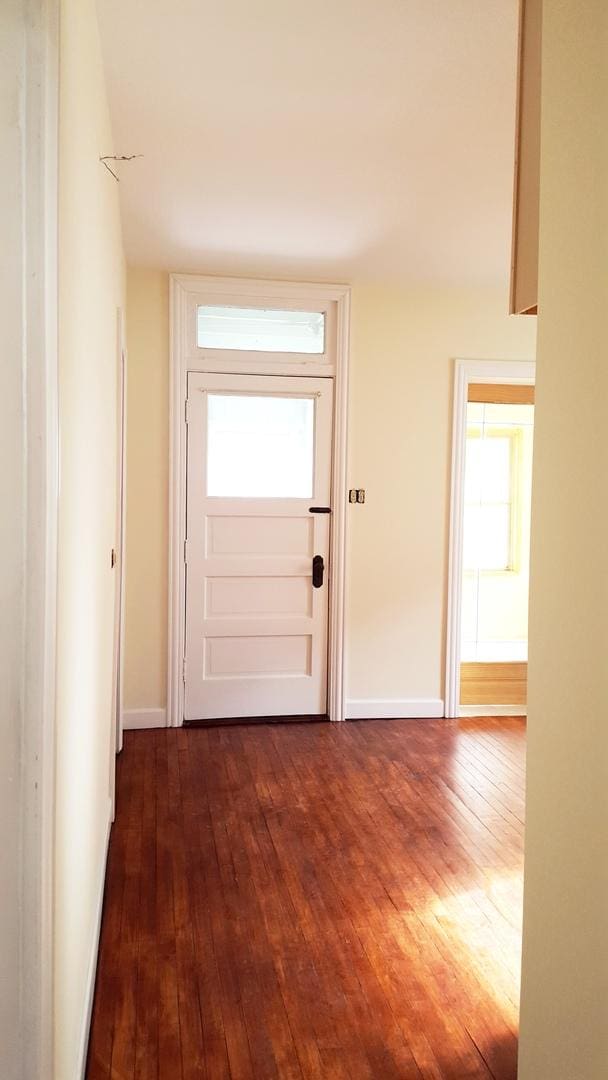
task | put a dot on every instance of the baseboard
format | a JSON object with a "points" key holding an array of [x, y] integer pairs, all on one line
{"points": [[92, 970], [135, 719], [394, 709], [492, 710]]}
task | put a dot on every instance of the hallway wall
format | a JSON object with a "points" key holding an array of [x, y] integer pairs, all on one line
{"points": [[564, 1016], [403, 343], [12, 531], [147, 558], [91, 287]]}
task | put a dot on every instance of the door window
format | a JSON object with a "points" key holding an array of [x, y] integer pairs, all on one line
{"points": [[260, 446]]}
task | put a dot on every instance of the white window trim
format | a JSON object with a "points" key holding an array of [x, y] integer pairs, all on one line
{"points": [[517, 372], [186, 292], [494, 430]]}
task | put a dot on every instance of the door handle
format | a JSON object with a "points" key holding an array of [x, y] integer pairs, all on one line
{"points": [[318, 568]]}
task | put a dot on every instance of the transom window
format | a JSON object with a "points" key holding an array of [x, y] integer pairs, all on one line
{"points": [[247, 329]]}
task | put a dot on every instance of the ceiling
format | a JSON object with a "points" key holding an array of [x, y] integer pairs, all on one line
{"points": [[336, 139]]}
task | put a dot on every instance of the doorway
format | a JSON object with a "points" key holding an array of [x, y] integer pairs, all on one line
{"points": [[496, 547], [257, 546], [286, 341], [486, 654]]}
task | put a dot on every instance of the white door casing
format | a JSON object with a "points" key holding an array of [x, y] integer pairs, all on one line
{"points": [[465, 372], [120, 564], [187, 292], [256, 628]]}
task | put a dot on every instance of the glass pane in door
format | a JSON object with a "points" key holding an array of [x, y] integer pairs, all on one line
{"points": [[260, 446]]}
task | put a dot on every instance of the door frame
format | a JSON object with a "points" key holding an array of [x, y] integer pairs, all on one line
{"points": [[120, 551], [186, 292], [465, 372]]}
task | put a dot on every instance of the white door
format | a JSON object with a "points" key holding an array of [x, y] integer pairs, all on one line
{"points": [[257, 548]]}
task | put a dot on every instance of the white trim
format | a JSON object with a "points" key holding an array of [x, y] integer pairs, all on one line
{"points": [[185, 291], [119, 567], [394, 709], [492, 710], [85, 1027], [177, 468], [121, 538], [335, 659], [262, 288], [518, 372], [135, 719], [40, 172]]}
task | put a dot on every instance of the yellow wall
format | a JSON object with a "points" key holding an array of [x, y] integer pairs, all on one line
{"points": [[14, 812], [91, 286], [564, 1018], [403, 345], [403, 342], [147, 490]]}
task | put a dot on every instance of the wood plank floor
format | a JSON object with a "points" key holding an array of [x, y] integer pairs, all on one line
{"points": [[336, 901]]}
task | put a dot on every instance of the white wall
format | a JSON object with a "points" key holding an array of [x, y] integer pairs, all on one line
{"points": [[91, 283], [12, 526], [564, 1016], [403, 345]]}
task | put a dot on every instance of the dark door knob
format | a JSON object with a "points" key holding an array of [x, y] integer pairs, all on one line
{"points": [[317, 571]]}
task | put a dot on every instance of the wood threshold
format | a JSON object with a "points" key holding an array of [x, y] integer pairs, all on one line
{"points": [[246, 720]]}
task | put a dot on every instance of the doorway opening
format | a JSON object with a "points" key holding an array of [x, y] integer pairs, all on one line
{"points": [[496, 547], [486, 662]]}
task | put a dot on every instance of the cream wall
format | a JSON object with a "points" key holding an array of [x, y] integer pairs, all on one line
{"points": [[403, 345], [403, 342], [91, 287], [12, 532], [145, 685], [564, 1016]]}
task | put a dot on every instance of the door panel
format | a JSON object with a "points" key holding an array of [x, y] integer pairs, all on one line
{"points": [[231, 597], [259, 456], [269, 535]]}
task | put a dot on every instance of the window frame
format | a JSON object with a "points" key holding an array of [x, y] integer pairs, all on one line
{"points": [[277, 297], [514, 434]]}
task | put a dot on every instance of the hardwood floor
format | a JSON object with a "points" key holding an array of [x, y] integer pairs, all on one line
{"points": [[336, 901]]}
